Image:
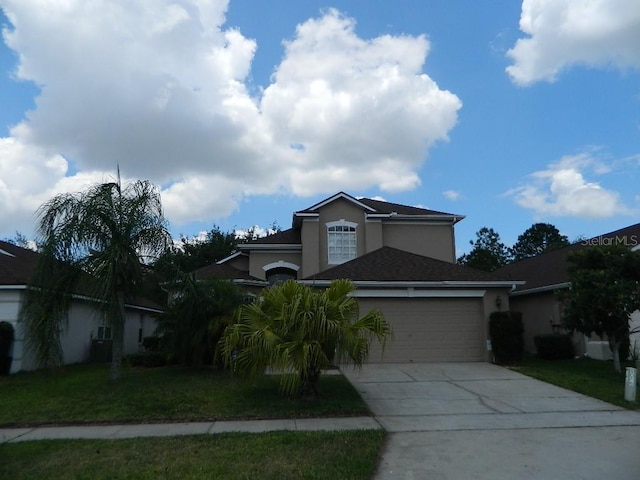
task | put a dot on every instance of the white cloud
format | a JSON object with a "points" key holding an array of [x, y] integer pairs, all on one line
{"points": [[564, 33], [562, 190], [160, 87], [451, 194]]}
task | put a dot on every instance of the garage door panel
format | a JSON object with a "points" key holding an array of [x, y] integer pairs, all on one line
{"points": [[430, 329]]}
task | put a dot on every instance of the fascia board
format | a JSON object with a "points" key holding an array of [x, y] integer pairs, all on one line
{"points": [[546, 288], [274, 246], [409, 284]]}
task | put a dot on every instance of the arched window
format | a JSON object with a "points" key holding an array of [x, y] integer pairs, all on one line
{"points": [[280, 274], [342, 242]]}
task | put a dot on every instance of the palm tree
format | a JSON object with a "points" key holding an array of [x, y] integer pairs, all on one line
{"points": [[194, 322], [293, 328], [93, 243]]}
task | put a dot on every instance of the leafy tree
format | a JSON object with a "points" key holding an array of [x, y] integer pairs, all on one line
{"points": [[605, 290], [295, 328], [193, 324], [199, 251], [94, 242], [537, 239], [488, 252]]}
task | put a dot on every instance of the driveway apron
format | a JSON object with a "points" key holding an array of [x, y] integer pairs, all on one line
{"points": [[481, 421]]}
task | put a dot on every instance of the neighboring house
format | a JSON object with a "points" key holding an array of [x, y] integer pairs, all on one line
{"points": [[547, 274], [84, 322], [402, 261]]}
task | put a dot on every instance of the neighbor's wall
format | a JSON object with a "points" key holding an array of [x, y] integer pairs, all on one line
{"points": [[10, 301]]}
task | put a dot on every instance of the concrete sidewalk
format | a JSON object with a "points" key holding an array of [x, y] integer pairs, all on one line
{"points": [[10, 435]]}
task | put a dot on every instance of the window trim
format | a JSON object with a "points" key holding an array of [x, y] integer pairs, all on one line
{"points": [[341, 223]]}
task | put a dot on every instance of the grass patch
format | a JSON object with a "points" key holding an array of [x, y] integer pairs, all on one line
{"points": [[275, 455], [83, 394], [594, 378]]}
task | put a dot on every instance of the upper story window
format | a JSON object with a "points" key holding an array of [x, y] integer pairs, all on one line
{"points": [[342, 242]]}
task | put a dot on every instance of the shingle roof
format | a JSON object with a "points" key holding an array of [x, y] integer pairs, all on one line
{"points": [[551, 268], [284, 237], [224, 272], [389, 264], [378, 206], [16, 264]]}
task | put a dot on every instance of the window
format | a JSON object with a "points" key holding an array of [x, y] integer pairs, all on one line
{"points": [[104, 333], [280, 275], [342, 242]]}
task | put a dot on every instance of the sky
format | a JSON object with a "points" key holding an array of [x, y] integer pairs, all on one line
{"points": [[244, 111]]}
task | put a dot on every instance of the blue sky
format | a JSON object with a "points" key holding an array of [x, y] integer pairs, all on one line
{"points": [[244, 111]]}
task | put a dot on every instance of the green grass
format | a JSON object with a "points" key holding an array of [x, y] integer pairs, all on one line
{"points": [[276, 455], [594, 378], [84, 394]]}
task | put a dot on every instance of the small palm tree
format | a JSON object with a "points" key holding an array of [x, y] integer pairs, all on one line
{"points": [[196, 318], [93, 243], [296, 329]]}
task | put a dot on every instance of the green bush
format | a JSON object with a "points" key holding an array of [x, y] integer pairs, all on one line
{"points": [[6, 339], [507, 341], [147, 359], [554, 346], [151, 344]]}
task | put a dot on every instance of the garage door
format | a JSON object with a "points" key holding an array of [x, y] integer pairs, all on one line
{"points": [[430, 329]]}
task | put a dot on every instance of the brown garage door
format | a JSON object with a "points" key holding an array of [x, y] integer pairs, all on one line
{"points": [[430, 329]]}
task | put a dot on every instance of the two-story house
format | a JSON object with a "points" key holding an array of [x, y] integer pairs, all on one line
{"points": [[402, 261]]}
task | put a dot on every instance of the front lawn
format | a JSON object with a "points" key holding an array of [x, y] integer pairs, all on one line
{"points": [[594, 378], [275, 455], [84, 394]]}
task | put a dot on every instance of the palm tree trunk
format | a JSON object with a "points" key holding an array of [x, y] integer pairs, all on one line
{"points": [[118, 339]]}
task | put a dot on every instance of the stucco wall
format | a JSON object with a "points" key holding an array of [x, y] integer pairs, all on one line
{"points": [[425, 239]]}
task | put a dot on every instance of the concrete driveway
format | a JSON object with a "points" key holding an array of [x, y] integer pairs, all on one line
{"points": [[463, 421]]}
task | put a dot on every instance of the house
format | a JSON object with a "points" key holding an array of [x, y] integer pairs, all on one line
{"points": [[402, 262], [547, 274], [84, 326]]}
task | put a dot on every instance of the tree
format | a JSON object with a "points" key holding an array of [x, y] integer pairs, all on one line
{"points": [[537, 239], [605, 290], [488, 252], [295, 328], [93, 243], [196, 318]]}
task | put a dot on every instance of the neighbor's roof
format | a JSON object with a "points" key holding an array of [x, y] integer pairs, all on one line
{"points": [[16, 264], [550, 270], [389, 264]]}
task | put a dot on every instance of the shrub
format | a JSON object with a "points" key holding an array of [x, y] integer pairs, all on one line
{"points": [[147, 359], [554, 346], [151, 344], [6, 339], [506, 332]]}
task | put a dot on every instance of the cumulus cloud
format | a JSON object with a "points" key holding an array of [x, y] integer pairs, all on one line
{"points": [[564, 33], [161, 88], [451, 194], [562, 190]]}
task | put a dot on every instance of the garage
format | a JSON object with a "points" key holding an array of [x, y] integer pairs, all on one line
{"points": [[430, 329]]}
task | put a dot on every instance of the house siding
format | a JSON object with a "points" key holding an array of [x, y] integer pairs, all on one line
{"points": [[420, 238]]}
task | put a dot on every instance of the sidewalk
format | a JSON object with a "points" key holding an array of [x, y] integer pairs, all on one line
{"points": [[10, 435]]}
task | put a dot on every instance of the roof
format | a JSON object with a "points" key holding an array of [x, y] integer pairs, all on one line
{"points": [[16, 264], [290, 236], [223, 271], [375, 206], [389, 264], [550, 270]]}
